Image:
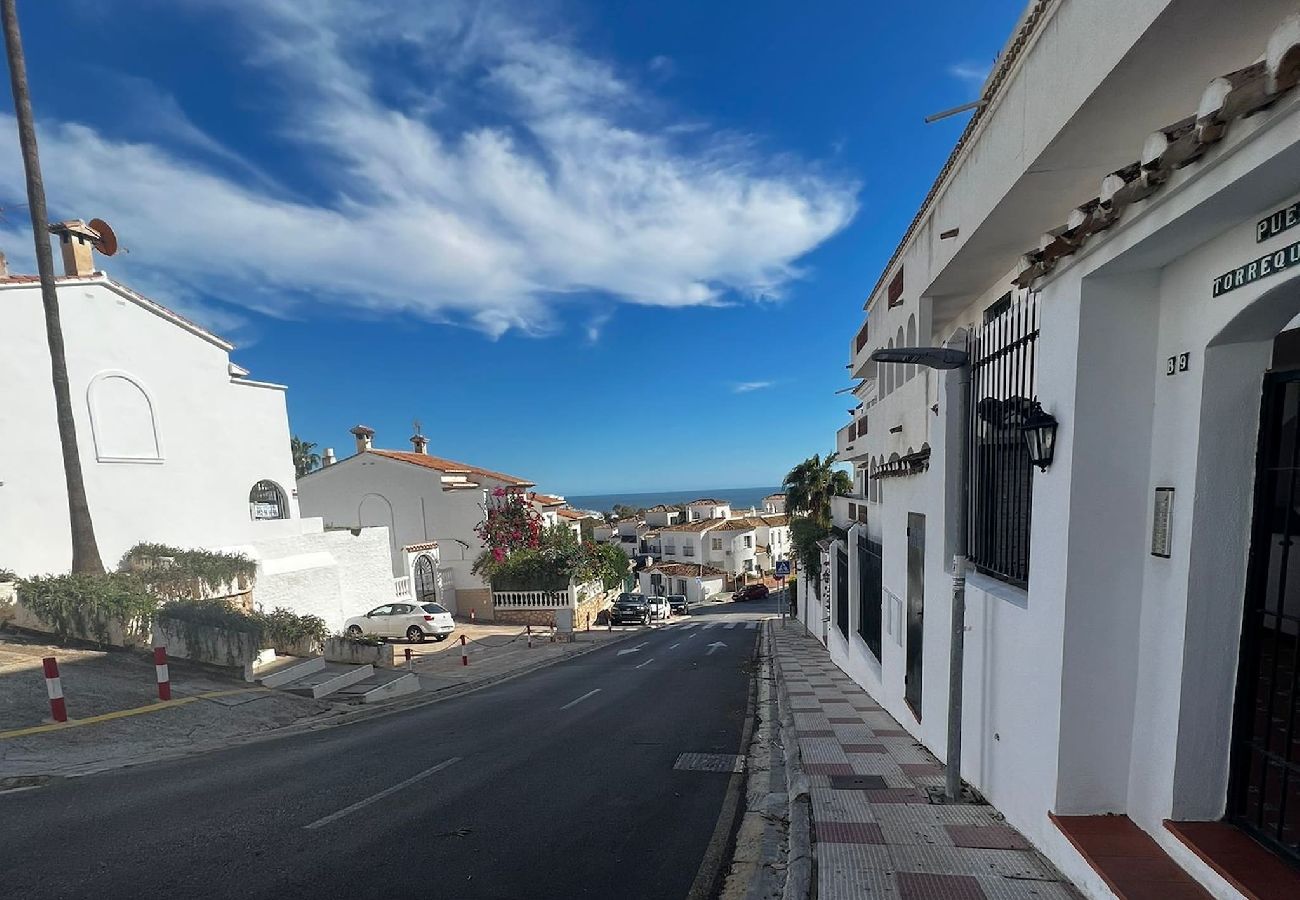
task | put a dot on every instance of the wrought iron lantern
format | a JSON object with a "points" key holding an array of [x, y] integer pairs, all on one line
{"points": [[1039, 429]]}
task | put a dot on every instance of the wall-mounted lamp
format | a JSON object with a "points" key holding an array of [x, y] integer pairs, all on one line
{"points": [[1039, 429]]}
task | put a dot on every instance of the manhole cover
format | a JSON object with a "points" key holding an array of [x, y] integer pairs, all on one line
{"points": [[857, 783], [710, 762]]}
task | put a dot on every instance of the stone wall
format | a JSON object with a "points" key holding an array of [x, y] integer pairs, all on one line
{"points": [[479, 600], [538, 618]]}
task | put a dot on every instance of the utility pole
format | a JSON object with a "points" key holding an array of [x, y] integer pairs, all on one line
{"points": [[85, 551]]}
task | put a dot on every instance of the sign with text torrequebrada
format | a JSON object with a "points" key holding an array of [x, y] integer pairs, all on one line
{"points": [[1264, 266]]}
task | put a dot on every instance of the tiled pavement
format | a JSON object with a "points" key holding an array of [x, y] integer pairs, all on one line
{"points": [[875, 833]]}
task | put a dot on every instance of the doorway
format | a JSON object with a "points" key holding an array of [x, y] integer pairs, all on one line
{"points": [[1264, 780], [426, 581], [915, 611]]}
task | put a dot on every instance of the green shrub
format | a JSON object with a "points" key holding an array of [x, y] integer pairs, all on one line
{"points": [[7, 575], [194, 574], [84, 605], [280, 627]]}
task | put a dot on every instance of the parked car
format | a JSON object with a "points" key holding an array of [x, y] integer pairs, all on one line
{"points": [[630, 609], [750, 592], [677, 605], [413, 621], [659, 608]]}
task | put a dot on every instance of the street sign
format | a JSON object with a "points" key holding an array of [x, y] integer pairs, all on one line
{"points": [[783, 569]]}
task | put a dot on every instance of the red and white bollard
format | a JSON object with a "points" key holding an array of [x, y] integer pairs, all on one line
{"points": [[530, 636], [54, 687], [160, 668], [464, 652]]}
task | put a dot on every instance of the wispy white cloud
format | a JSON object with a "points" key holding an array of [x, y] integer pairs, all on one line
{"points": [[973, 73], [744, 387], [575, 184]]}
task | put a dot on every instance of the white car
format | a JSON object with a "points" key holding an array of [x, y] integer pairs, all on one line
{"points": [[659, 608], [413, 621]]}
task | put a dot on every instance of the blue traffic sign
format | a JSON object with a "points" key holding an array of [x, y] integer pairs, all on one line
{"points": [[783, 569]]}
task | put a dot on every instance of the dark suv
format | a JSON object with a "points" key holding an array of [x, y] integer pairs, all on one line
{"points": [[752, 592], [678, 604], [631, 609]]}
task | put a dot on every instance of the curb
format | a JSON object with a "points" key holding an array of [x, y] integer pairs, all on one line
{"points": [[801, 856], [334, 718]]}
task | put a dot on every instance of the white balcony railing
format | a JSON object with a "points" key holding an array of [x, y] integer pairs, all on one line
{"points": [[530, 599], [402, 587]]}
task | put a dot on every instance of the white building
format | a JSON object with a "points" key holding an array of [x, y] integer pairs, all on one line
{"points": [[421, 499], [177, 444], [696, 583], [707, 508], [746, 545], [662, 514], [774, 504], [1118, 236]]}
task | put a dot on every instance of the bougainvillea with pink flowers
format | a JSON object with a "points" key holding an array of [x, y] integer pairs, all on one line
{"points": [[510, 523]]}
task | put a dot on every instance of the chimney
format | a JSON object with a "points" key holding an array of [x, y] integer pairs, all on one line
{"points": [[327, 458], [76, 239], [364, 437], [420, 443]]}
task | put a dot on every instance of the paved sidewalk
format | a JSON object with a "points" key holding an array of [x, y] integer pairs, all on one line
{"points": [[875, 832]]}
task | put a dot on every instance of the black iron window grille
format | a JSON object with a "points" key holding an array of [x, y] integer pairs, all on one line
{"points": [[1004, 387], [870, 593], [842, 590]]}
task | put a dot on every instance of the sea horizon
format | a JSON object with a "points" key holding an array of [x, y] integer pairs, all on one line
{"points": [[740, 498]]}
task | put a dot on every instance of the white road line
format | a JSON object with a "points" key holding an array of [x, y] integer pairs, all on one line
{"points": [[675, 646], [332, 817], [713, 625], [731, 625], [691, 635], [646, 663], [580, 699], [751, 626]]}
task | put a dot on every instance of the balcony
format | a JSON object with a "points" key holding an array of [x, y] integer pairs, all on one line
{"points": [[848, 510], [860, 364], [847, 443]]}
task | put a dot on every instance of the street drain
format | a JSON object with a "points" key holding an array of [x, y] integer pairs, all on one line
{"points": [[727, 763], [857, 783]]}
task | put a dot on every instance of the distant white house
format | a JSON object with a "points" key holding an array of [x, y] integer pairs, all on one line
{"points": [[696, 582], [747, 545], [420, 498], [774, 504], [662, 515], [177, 445], [707, 508]]}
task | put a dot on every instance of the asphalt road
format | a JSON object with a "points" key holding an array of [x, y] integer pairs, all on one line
{"points": [[558, 784]]}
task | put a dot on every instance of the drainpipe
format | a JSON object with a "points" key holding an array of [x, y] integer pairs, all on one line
{"points": [[956, 663]]}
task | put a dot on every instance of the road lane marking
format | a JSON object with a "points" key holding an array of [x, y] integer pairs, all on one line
{"points": [[714, 646], [751, 626], [675, 646], [123, 713], [635, 649], [733, 624], [580, 699], [646, 663], [690, 636], [361, 804]]}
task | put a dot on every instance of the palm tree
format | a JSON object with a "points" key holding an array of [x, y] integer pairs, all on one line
{"points": [[85, 552], [810, 485], [304, 460]]}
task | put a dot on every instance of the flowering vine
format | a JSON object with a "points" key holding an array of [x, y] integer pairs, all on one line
{"points": [[510, 523]]}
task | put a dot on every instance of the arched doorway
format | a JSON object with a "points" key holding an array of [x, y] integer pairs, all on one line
{"points": [[425, 580], [267, 501]]}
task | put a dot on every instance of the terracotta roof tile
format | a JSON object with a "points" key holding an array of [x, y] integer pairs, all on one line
{"points": [[548, 499], [709, 501], [416, 548], [571, 514], [696, 526], [687, 569], [447, 465]]}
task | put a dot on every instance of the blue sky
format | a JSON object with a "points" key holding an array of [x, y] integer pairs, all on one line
{"points": [[606, 246]]}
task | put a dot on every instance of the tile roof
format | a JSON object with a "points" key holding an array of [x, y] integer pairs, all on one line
{"points": [[571, 514], [692, 569], [547, 499], [696, 526], [774, 496], [775, 520], [703, 501], [738, 525], [416, 548], [662, 507], [447, 465]]}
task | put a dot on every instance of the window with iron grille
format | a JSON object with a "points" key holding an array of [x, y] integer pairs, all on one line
{"points": [[842, 590], [1004, 387], [870, 596]]}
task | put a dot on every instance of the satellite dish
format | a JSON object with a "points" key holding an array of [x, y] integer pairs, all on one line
{"points": [[107, 242]]}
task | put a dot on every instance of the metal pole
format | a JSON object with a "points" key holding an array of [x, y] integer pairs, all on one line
{"points": [[956, 663]]}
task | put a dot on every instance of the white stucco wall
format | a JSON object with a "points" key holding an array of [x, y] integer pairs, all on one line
{"points": [[215, 436]]}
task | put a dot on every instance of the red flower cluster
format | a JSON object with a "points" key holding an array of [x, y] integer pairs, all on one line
{"points": [[510, 523]]}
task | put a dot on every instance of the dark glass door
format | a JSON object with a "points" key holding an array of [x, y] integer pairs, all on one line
{"points": [[426, 582], [915, 610], [842, 590], [1264, 789]]}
